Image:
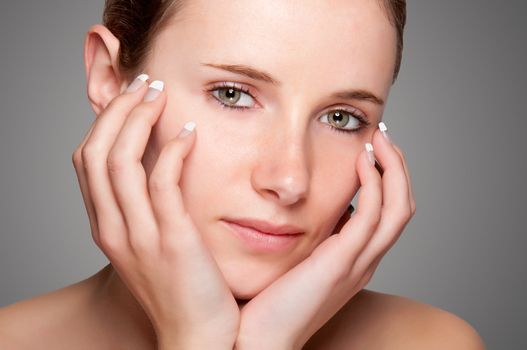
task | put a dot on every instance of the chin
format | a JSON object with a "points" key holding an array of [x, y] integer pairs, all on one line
{"points": [[245, 287], [248, 279]]}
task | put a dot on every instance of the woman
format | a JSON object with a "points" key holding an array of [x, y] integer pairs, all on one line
{"points": [[217, 184]]}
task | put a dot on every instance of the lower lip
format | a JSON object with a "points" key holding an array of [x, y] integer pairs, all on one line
{"points": [[263, 242]]}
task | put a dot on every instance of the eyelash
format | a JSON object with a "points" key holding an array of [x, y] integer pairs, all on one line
{"points": [[224, 85]]}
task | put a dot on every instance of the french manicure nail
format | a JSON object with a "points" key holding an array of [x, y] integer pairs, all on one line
{"points": [[154, 90], [371, 157], [187, 129], [137, 83], [384, 132]]}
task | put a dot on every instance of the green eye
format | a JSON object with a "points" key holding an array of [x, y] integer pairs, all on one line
{"points": [[339, 119], [229, 96]]}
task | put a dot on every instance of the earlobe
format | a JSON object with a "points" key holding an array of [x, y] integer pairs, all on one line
{"points": [[101, 52]]}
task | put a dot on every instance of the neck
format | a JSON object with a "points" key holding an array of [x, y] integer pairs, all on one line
{"points": [[121, 313]]}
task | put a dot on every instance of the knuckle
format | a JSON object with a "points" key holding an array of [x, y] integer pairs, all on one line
{"points": [[90, 154], [76, 158], [158, 183], [116, 162], [371, 217], [375, 217], [142, 244], [406, 215], [110, 244]]}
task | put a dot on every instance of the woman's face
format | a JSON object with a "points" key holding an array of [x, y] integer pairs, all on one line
{"points": [[278, 160]]}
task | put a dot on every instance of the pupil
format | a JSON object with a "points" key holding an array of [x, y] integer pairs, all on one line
{"points": [[339, 118], [230, 93]]}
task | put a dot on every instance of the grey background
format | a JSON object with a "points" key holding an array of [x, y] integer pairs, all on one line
{"points": [[457, 111]]}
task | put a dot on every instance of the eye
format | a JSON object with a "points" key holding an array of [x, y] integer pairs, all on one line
{"points": [[229, 94], [341, 120]]}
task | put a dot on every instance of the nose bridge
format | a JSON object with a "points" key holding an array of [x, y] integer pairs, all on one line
{"points": [[284, 168]]}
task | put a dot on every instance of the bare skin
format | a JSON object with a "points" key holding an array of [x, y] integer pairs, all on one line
{"points": [[281, 177], [100, 313]]}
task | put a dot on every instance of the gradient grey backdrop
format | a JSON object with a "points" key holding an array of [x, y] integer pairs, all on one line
{"points": [[457, 110]]}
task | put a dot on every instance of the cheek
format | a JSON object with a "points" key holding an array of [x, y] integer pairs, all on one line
{"points": [[211, 172], [334, 184], [216, 176]]}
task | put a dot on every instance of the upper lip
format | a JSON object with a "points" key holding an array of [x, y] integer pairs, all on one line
{"points": [[266, 227]]}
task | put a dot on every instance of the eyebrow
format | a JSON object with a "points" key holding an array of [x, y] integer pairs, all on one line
{"points": [[247, 71], [362, 95], [253, 73]]}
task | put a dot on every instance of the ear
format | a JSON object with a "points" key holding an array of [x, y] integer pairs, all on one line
{"points": [[101, 52]]}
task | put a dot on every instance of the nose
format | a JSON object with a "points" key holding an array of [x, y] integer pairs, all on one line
{"points": [[282, 170]]}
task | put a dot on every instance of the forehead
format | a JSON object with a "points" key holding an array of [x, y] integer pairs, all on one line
{"points": [[295, 40]]}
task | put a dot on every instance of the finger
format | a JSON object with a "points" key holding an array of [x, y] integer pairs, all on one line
{"points": [[358, 230], [410, 193], [394, 180], [94, 154], [79, 170], [164, 179], [396, 211], [384, 132], [126, 170], [366, 278]]}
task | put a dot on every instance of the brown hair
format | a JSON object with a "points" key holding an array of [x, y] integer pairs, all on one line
{"points": [[136, 22]]}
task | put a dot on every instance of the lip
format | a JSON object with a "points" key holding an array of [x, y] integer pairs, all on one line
{"points": [[259, 241], [266, 227]]}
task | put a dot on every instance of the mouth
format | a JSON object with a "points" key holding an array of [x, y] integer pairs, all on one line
{"points": [[259, 241]]}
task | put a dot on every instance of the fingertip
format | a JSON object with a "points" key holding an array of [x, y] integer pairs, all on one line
{"points": [[369, 153], [137, 83], [377, 139], [362, 162], [188, 129], [364, 165], [156, 91]]}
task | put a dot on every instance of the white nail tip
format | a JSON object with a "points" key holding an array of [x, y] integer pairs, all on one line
{"points": [[158, 85], [143, 77], [371, 157], [190, 126], [382, 126]]}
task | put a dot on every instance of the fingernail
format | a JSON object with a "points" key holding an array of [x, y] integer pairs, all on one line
{"points": [[371, 157], [137, 83], [187, 129], [384, 132], [154, 90]]}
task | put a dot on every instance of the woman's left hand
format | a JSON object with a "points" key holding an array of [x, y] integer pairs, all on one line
{"points": [[288, 312]]}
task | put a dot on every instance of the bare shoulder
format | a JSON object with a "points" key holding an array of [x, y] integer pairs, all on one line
{"points": [[374, 320], [41, 321]]}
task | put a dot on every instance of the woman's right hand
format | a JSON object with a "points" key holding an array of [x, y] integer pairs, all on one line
{"points": [[141, 224]]}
